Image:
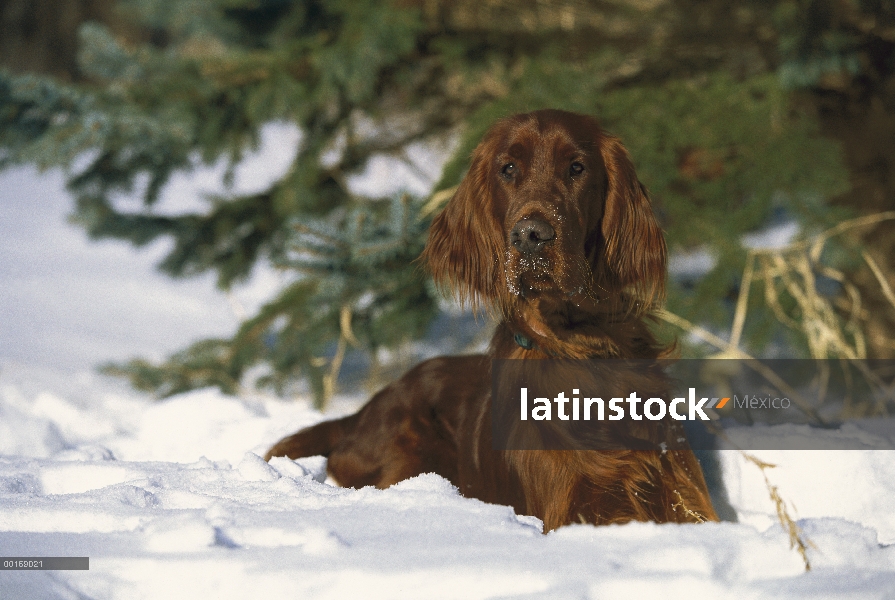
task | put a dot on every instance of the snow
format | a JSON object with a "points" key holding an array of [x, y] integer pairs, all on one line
{"points": [[856, 485], [692, 264], [172, 499], [774, 237]]}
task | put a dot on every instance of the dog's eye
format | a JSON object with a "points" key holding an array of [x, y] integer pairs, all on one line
{"points": [[508, 170], [576, 168]]}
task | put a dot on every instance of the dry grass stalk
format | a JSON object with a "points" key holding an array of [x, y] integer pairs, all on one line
{"points": [[832, 327], [728, 351], [791, 270], [346, 337], [797, 540], [880, 277], [437, 200], [697, 517]]}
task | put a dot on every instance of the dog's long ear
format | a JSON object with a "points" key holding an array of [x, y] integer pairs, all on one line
{"points": [[465, 240], [634, 247]]}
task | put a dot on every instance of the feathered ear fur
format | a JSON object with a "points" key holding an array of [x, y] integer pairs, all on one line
{"points": [[465, 240], [634, 252]]}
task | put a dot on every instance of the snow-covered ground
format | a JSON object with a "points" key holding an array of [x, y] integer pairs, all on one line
{"points": [[172, 500]]}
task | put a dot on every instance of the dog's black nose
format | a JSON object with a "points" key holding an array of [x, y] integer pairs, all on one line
{"points": [[529, 235]]}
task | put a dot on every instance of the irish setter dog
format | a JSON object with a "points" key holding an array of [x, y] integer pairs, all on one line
{"points": [[553, 232]]}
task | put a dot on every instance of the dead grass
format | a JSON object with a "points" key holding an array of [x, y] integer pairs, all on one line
{"points": [[797, 539], [833, 327]]}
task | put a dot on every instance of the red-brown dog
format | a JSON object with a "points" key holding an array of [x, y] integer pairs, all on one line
{"points": [[552, 230]]}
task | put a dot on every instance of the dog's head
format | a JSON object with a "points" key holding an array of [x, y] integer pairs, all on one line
{"points": [[550, 207]]}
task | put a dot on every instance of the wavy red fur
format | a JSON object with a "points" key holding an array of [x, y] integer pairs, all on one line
{"points": [[552, 229]]}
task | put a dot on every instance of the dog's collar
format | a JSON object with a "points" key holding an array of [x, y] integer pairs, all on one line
{"points": [[523, 341], [526, 343]]}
